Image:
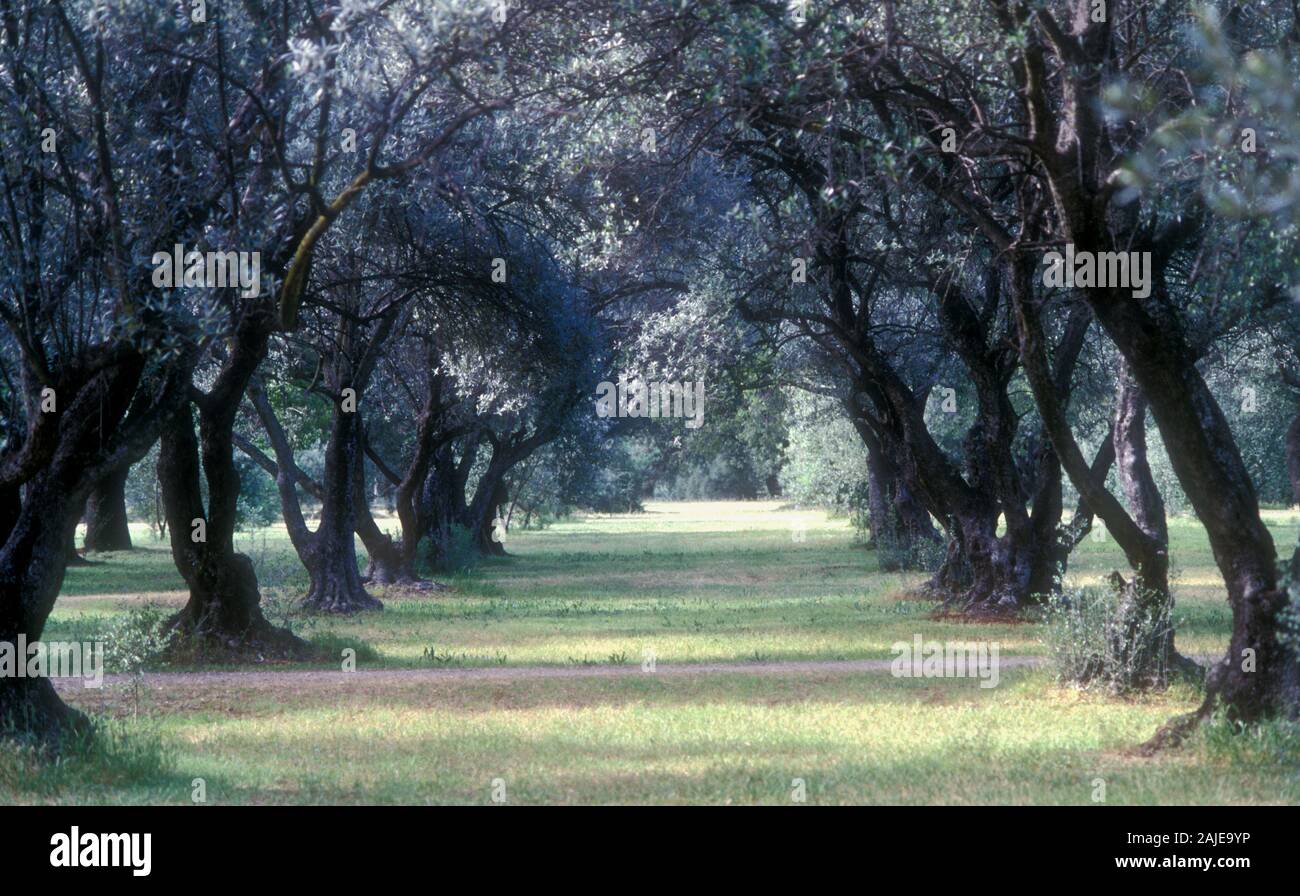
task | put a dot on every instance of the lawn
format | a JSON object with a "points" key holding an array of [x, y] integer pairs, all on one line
{"points": [[596, 597]]}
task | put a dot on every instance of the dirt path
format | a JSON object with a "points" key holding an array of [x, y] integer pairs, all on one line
{"points": [[507, 673]]}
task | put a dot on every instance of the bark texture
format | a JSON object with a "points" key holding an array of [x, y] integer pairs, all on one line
{"points": [[107, 528], [223, 617], [329, 552]]}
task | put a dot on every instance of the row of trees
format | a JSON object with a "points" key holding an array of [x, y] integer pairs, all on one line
{"points": [[465, 218]]}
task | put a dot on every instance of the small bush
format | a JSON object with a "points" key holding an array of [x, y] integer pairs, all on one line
{"points": [[1096, 638], [133, 641], [136, 641]]}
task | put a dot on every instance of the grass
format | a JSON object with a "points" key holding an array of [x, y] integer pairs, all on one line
{"points": [[716, 582]]}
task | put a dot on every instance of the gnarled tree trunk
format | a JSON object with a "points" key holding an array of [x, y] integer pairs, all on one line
{"points": [[1145, 632], [32, 564], [331, 559], [65, 453], [223, 616], [329, 553], [1260, 676], [900, 526], [106, 523]]}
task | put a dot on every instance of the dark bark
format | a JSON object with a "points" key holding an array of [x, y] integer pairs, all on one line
{"points": [[442, 503], [329, 552], [490, 497], [1260, 676], [1081, 523], [32, 567], [394, 561], [900, 526], [489, 506], [335, 580], [489, 529], [101, 427], [388, 560], [11, 507], [386, 564], [1145, 602], [983, 572], [223, 616], [106, 523]]}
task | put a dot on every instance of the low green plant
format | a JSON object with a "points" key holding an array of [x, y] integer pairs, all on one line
{"points": [[113, 753], [1105, 637]]}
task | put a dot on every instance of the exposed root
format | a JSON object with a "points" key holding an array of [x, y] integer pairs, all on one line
{"points": [[341, 598], [261, 642], [1172, 733]]}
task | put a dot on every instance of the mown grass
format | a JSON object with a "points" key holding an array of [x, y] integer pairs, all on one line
{"points": [[729, 738], [704, 582], [713, 582]]}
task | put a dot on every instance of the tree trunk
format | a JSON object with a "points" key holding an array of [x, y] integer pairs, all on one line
{"points": [[900, 527], [1144, 634], [442, 503], [899, 523], [223, 616], [1260, 676], [388, 561], [485, 512], [329, 553], [773, 485], [443, 500], [393, 562], [74, 556], [32, 564], [106, 524], [93, 436], [332, 562]]}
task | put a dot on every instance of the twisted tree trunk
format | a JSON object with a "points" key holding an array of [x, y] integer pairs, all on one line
{"points": [[442, 503], [900, 526], [223, 616], [63, 454], [1145, 632], [329, 553], [331, 558]]}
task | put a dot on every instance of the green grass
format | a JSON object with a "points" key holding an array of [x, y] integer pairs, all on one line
{"points": [[712, 582], [692, 583]]}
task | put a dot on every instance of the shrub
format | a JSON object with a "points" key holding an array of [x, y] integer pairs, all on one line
{"points": [[1103, 637]]}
